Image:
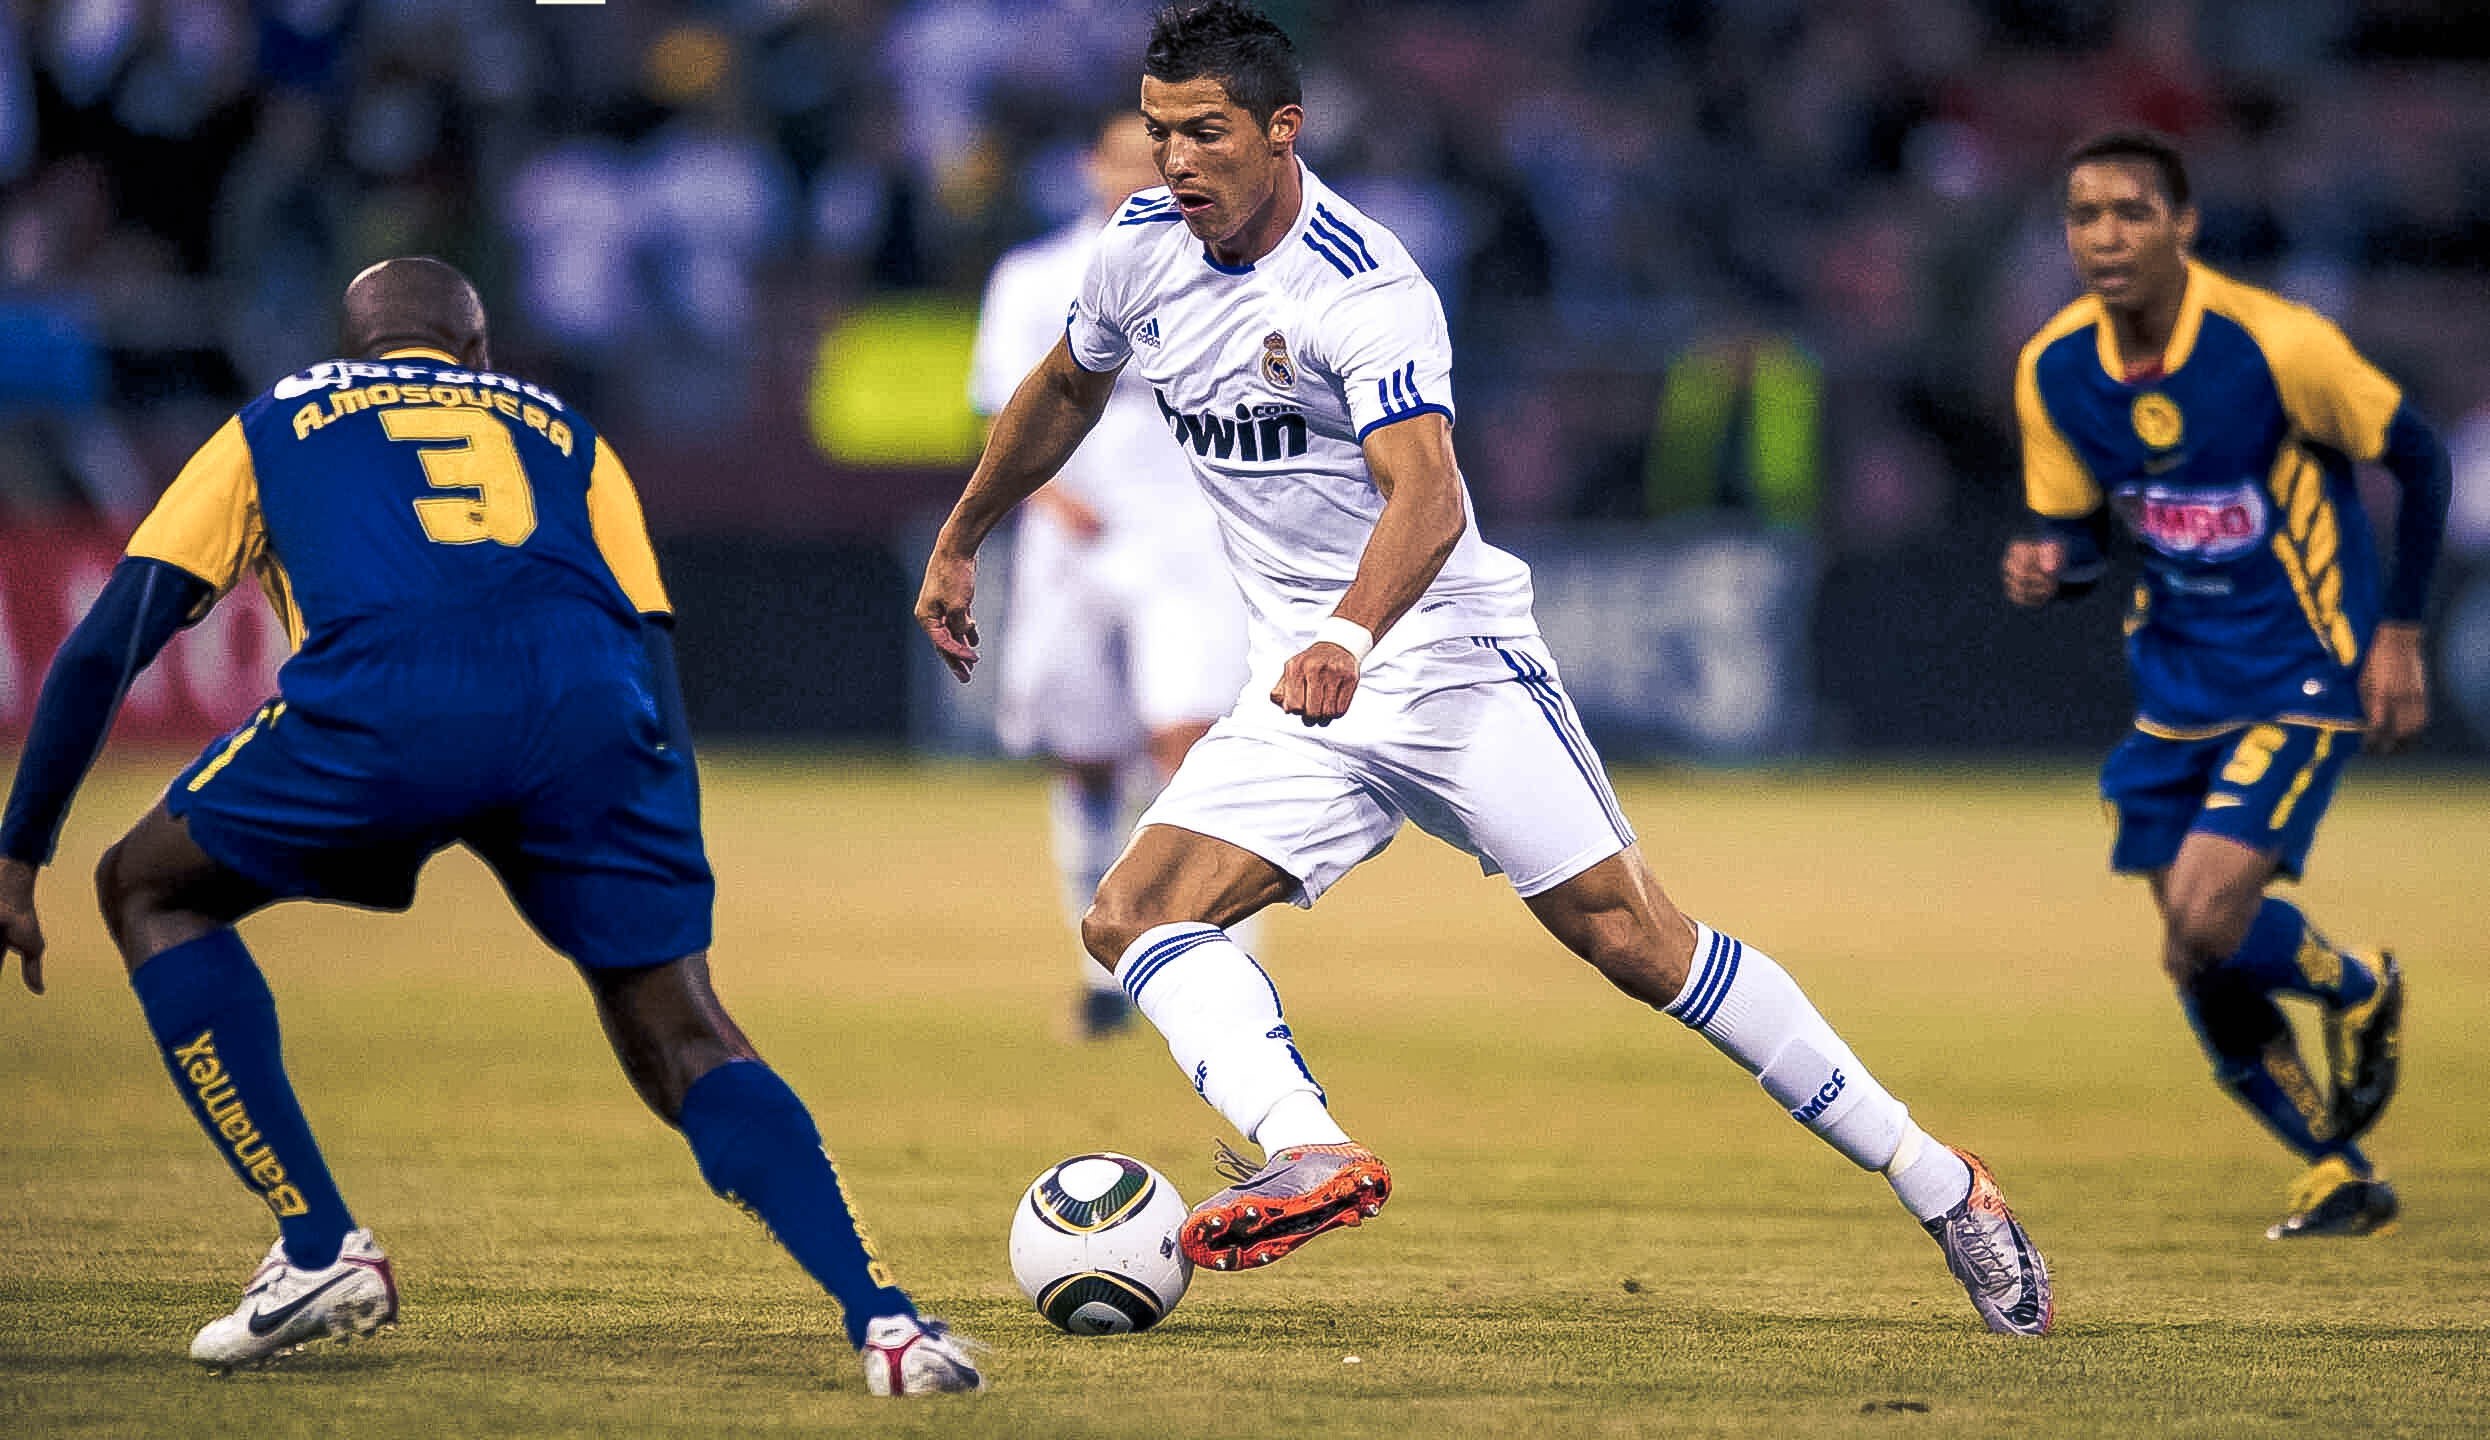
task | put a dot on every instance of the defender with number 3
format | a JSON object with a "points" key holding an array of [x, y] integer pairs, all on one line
{"points": [[483, 657], [2221, 423]]}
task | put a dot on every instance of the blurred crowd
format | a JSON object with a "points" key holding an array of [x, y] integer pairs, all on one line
{"points": [[1769, 255]]}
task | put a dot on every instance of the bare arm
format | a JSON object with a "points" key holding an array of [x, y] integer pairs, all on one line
{"points": [[1422, 520], [1048, 417], [1423, 517]]}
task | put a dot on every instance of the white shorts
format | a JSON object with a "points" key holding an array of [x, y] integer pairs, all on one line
{"points": [[1104, 646], [1471, 740]]}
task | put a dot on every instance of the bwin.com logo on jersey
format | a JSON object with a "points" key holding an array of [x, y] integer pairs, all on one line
{"points": [[1254, 432]]}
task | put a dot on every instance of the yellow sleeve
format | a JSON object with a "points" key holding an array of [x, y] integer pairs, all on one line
{"points": [[622, 533], [2055, 482], [2330, 390], [207, 521]]}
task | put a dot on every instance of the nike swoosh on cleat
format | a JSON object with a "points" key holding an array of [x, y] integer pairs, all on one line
{"points": [[267, 1322]]}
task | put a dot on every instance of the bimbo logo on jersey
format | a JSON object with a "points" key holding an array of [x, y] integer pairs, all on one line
{"points": [[2195, 524], [1254, 432]]}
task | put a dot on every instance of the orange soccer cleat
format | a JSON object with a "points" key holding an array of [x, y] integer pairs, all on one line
{"points": [[1296, 1195]]}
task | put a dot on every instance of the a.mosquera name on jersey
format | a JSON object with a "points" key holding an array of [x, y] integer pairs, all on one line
{"points": [[421, 385], [342, 403]]}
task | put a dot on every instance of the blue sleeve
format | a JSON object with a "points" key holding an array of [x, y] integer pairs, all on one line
{"points": [[2087, 542], [143, 605], [2425, 478]]}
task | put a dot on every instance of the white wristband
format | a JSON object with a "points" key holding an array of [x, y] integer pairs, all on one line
{"points": [[1347, 634]]}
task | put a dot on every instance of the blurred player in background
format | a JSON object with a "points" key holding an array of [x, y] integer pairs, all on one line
{"points": [[1302, 359], [2222, 423], [1127, 638], [483, 656]]}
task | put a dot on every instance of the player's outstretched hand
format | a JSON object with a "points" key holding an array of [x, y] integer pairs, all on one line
{"points": [[21, 932], [1317, 683], [2031, 570], [942, 609], [2394, 688]]}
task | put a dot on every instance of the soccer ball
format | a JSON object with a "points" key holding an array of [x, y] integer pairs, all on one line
{"points": [[1094, 1245]]}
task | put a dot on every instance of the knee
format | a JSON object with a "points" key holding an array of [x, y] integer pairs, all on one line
{"points": [[1113, 921], [1616, 939], [109, 887], [118, 893], [668, 1030], [663, 1069], [2199, 931], [1647, 961]]}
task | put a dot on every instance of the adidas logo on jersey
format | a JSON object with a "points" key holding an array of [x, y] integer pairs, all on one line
{"points": [[1254, 432], [1148, 334]]}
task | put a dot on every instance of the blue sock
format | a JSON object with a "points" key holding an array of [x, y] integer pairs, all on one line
{"points": [[2283, 952], [757, 1146], [216, 1025], [2257, 1060]]}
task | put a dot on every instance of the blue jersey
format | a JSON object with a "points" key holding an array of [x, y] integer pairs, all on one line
{"points": [[374, 499], [462, 565], [2229, 457]]}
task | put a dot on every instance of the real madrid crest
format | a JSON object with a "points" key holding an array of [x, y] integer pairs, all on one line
{"points": [[2157, 420], [1276, 366]]}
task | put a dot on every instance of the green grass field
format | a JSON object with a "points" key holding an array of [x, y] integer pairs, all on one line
{"points": [[1600, 1227]]}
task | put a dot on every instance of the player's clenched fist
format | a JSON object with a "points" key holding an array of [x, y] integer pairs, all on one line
{"points": [[2031, 570], [1317, 683], [942, 609]]}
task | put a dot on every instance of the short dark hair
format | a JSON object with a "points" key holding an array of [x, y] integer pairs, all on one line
{"points": [[2150, 146], [1233, 43]]}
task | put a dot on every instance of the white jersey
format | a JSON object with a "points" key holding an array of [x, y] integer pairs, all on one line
{"points": [[1129, 470], [1270, 375]]}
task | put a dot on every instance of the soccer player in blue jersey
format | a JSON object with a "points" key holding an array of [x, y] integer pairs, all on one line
{"points": [[2222, 423], [483, 657]]}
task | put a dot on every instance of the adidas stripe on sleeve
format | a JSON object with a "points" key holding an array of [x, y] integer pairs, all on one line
{"points": [[1388, 346]]}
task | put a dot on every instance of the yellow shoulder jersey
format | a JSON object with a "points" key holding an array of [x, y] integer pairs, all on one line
{"points": [[2229, 456], [404, 487]]}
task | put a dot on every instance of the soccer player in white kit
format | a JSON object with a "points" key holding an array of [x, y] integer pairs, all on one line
{"points": [[1302, 360], [1127, 637]]}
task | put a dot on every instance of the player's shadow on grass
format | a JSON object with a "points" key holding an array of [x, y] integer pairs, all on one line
{"points": [[327, 1361]]}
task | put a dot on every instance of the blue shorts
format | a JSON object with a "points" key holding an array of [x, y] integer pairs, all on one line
{"points": [[2265, 786], [542, 753]]}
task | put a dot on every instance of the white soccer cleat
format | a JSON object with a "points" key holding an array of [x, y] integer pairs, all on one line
{"points": [[285, 1307], [905, 1355], [1988, 1251]]}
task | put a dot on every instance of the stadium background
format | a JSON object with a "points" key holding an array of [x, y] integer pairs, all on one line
{"points": [[1736, 287]]}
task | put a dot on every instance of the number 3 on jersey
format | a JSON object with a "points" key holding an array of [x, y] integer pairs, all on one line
{"points": [[501, 506]]}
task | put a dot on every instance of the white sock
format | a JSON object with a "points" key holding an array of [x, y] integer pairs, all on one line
{"points": [[1298, 1119], [1926, 1177], [1743, 1002], [1220, 1015], [1088, 833]]}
